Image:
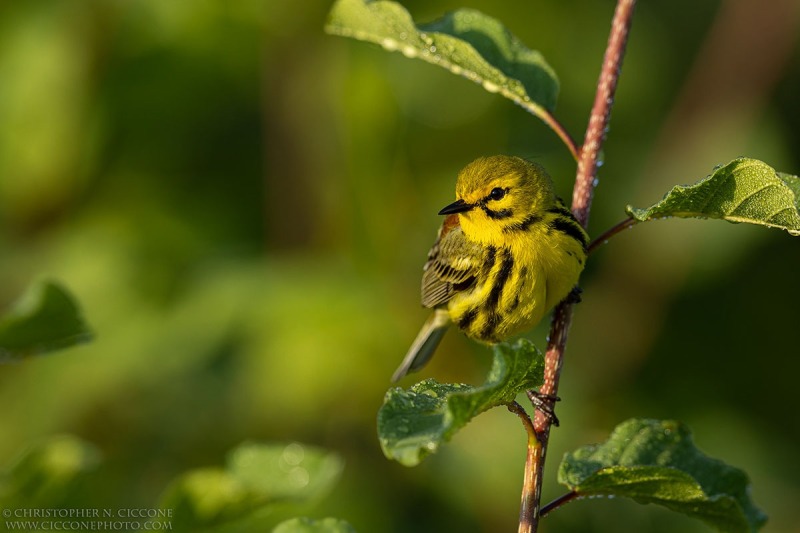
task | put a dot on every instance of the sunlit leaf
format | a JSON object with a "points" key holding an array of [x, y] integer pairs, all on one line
{"points": [[655, 461], [466, 42], [744, 190], [415, 422], [257, 476], [46, 318], [308, 525]]}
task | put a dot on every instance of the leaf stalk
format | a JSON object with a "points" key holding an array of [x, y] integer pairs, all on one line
{"points": [[562, 133], [602, 239], [558, 502]]}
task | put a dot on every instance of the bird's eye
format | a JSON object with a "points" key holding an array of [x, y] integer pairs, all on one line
{"points": [[497, 193]]}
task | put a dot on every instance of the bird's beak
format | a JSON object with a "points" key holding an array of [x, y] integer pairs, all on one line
{"points": [[459, 206]]}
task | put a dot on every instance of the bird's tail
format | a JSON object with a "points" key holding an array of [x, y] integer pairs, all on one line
{"points": [[425, 344]]}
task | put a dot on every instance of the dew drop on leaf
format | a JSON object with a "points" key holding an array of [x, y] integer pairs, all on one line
{"points": [[293, 454], [409, 51], [390, 44], [490, 87], [299, 477]]}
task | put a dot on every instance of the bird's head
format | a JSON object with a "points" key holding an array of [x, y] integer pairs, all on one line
{"points": [[497, 195]]}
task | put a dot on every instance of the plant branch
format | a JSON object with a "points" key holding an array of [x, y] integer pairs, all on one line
{"points": [[585, 182], [602, 239], [601, 111]]}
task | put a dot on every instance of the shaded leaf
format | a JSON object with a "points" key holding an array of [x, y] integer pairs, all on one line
{"points": [[655, 461], [466, 42], [294, 472], [415, 422], [46, 474], [256, 478], [744, 190], [46, 318], [209, 496], [308, 525]]}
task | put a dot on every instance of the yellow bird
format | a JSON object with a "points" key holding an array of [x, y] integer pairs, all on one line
{"points": [[507, 252]]}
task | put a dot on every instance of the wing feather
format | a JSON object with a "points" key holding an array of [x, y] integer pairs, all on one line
{"points": [[453, 263]]}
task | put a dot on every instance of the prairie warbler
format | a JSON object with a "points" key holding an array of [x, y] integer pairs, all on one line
{"points": [[507, 252]]}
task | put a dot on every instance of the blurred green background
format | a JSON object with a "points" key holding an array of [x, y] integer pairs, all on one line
{"points": [[242, 205]]}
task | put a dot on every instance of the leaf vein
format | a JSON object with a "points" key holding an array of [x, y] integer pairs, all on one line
{"points": [[750, 196]]}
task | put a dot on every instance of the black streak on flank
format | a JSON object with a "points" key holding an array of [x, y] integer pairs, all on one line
{"points": [[520, 285], [467, 319], [491, 255], [500, 281], [488, 331], [515, 303], [570, 228]]}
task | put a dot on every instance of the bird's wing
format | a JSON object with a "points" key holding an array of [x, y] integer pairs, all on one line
{"points": [[453, 263]]}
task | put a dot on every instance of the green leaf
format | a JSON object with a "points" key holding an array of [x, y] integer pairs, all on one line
{"points": [[466, 42], [307, 525], [46, 318], [413, 423], [293, 472], [655, 461], [744, 190], [257, 477], [46, 474], [208, 496]]}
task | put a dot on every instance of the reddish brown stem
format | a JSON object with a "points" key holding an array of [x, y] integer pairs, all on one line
{"points": [[585, 182], [601, 111]]}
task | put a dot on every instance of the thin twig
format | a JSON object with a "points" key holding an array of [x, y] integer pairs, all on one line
{"points": [[581, 205], [602, 239], [558, 502]]}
